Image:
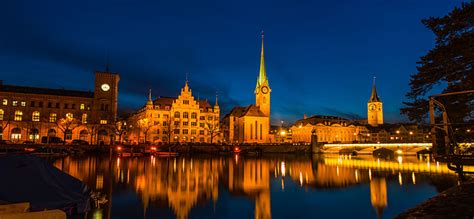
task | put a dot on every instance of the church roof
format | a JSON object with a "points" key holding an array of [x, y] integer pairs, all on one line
{"points": [[250, 110], [374, 97]]}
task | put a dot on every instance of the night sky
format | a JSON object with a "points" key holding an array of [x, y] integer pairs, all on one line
{"points": [[320, 56]]}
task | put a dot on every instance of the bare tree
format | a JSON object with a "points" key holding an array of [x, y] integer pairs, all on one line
{"points": [[169, 127], [92, 129], [212, 128], [4, 123], [144, 125], [67, 124], [120, 128]]}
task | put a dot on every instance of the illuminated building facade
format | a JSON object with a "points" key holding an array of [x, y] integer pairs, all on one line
{"points": [[329, 129], [374, 108], [251, 124], [30, 113], [180, 119]]}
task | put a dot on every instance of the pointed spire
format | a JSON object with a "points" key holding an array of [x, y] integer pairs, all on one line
{"points": [[262, 76], [374, 97], [216, 104], [150, 100]]}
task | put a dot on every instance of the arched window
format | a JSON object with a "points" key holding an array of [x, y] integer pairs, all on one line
{"points": [[1, 114], [34, 134], [176, 115], [69, 115], [16, 134], [83, 135], [36, 116], [18, 115]]}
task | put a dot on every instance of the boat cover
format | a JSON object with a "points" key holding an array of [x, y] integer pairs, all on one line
{"points": [[27, 178]]}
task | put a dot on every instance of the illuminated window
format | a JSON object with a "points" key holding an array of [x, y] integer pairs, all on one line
{"points": [[53, 117], [193, 123], [103, 121], [18, 115], [185, 115], [1, 114], [5, 102], [15, 103], [201, 125], [36, 116], [84, 118], [82, 106], [185, 123], [69, 115], [23, 103], [201, 132], [185, 131]]}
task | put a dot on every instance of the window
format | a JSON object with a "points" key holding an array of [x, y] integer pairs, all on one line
{"points": [[176, 131], [201, 125], [32, 103], [66, 106], [68, 134], [166, 116], [157, 131], [176, 114], [185, 131], [193, 123], [185, 123], [15, 103], [18, 115], [202, 118], [5, 102], [53, 117], [82, 106], [176, 123], [185, 115], [57, 105], [103, 121], [165, 123], [69, 115], [73, 106], [185, 101], [84, 118], [36, 116], [209, 118], [193, 131], [201, 132], [50, 104], [193, 115], [23, 103], [40, 104], [1, 114]]}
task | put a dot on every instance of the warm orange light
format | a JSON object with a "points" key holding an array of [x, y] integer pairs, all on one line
{"points": [[119, 148], [153, 148], [236, 150]]}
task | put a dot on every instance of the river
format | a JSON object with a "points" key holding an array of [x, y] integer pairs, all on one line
{"points": [[277, 186]]}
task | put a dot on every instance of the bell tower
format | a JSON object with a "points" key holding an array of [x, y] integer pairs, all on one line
{"points": [[262, 89], [374, 108]]}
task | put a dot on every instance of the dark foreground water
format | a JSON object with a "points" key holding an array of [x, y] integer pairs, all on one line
{"points": [[280, 186]]}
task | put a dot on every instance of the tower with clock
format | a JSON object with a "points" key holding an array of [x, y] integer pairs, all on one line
{"points": [[374, 108], [262, 89], [105, 97]]}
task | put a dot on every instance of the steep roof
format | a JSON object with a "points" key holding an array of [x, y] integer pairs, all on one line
{"points": [[45, 91], [250, 110], [374, 97], [168, 101], [313, 120]]}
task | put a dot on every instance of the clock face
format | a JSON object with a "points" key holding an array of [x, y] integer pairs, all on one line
{"points": [[371, 107], [264, 89], [105, 87]]}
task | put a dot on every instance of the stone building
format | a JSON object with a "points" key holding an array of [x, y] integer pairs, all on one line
{"points": [[31, 113], [251, 124], [175, 119], [330, 129]]}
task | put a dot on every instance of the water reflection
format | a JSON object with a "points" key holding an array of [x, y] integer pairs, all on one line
{"points": [[182, 184]]}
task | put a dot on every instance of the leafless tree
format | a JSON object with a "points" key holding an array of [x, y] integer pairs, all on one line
{"points": [[145, 125], [120, 128], [68, 123], [212, 127]]}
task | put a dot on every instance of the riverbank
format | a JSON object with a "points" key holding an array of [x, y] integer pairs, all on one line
{"points": [[456, 202]]}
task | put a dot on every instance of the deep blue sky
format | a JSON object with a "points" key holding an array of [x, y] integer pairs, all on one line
{"points": [[320, 55]]}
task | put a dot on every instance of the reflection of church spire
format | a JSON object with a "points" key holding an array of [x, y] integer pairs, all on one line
{"points": [[378, 195]]}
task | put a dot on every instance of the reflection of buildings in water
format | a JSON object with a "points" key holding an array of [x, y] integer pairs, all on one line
{"points": [[378, 194]]}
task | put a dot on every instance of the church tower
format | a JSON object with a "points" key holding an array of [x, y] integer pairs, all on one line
{"points": [[262, 89], [374, 108]]}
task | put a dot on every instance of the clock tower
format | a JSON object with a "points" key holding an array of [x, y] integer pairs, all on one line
{"points": [[105, 97], [374, 108], [262, 89]]}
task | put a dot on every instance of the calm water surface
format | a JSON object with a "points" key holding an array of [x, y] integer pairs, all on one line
{"points": [[280, 186]]}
